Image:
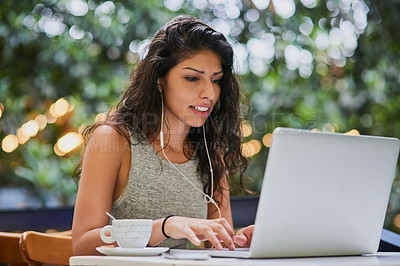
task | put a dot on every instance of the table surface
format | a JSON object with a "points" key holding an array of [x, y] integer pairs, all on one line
{"points": [[387, 258]]}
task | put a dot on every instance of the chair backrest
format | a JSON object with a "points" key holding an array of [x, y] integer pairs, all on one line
{"points": [[244, 209], [9, 249], [46, 248]]}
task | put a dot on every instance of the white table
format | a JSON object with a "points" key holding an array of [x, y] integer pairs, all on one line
{"points": [[370, 260]]}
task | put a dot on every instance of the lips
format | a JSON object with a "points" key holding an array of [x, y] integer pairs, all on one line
{"points": [[201, 110]]}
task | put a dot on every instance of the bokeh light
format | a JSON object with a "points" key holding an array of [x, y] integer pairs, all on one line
{"points": [[396, 221], [77, 7], [251, 148], [67, 143], [50, 117], [261, 4], [22, 137], [328, 127], [59, 108], [9, 143], [30, 128], [100, 117], [284, 8], [41, 120], [173, 5], [1, 109], [352, 132], [246, 128], [267, 140]]}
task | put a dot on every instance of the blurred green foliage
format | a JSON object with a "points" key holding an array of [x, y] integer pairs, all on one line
{"points": [[331, 65]]}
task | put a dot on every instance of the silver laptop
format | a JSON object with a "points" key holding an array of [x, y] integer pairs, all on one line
{"points": [[323, 194]]}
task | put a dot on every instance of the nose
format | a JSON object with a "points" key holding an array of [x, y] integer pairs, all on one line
{"points": [[208, 91]]}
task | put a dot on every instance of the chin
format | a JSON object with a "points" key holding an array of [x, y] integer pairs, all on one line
{"points": [[198, 123]]}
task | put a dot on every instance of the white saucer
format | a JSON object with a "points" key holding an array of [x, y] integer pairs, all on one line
{"points": [[118, 251]]}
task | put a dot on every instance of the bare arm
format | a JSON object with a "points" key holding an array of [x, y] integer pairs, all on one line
{"points": [[224, 201], [101, 165]]}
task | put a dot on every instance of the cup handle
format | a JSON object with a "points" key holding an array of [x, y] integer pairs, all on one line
{"points": [[107, 239]]}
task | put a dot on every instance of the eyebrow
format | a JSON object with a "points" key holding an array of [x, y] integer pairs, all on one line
{"points": [[202, 72]]}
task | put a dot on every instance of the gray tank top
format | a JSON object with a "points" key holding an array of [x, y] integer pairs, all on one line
{"points": [[155, 190]]}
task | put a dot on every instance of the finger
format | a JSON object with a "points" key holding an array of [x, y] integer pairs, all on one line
{"points": [[201, 237], [241, 240], [227, 226], [229, 230], [191, 236], [209, 234], [222, 234], [243, 236], [248, 232]]}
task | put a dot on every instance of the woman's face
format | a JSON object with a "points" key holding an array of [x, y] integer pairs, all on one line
{"points": [[191, 89]]}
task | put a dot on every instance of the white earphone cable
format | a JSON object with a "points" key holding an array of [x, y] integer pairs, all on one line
{"points": [[207, 198]]}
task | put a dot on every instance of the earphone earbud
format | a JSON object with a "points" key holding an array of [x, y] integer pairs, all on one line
{"points": [[159, 85]]}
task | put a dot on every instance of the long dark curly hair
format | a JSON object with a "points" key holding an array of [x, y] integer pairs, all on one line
{"points": [[139, 110]]}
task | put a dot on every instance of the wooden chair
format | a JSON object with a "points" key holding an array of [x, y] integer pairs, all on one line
{"points": [[9, 249], [46, 248]]}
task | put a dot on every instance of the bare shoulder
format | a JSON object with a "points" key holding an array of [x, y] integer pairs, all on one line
{"points": [[106, 138], [107, 131]]}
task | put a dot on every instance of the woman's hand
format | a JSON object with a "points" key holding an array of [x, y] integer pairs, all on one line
{"points": [[243, 236], [197, 230]]}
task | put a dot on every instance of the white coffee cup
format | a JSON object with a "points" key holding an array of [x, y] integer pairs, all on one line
{"points": [[129, 233]]}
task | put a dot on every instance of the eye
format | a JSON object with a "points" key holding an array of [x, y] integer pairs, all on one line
{"points": [[191, 79], [217, 81]]}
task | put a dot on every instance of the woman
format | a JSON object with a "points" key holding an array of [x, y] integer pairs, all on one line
{"points": [[167, 150]]}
